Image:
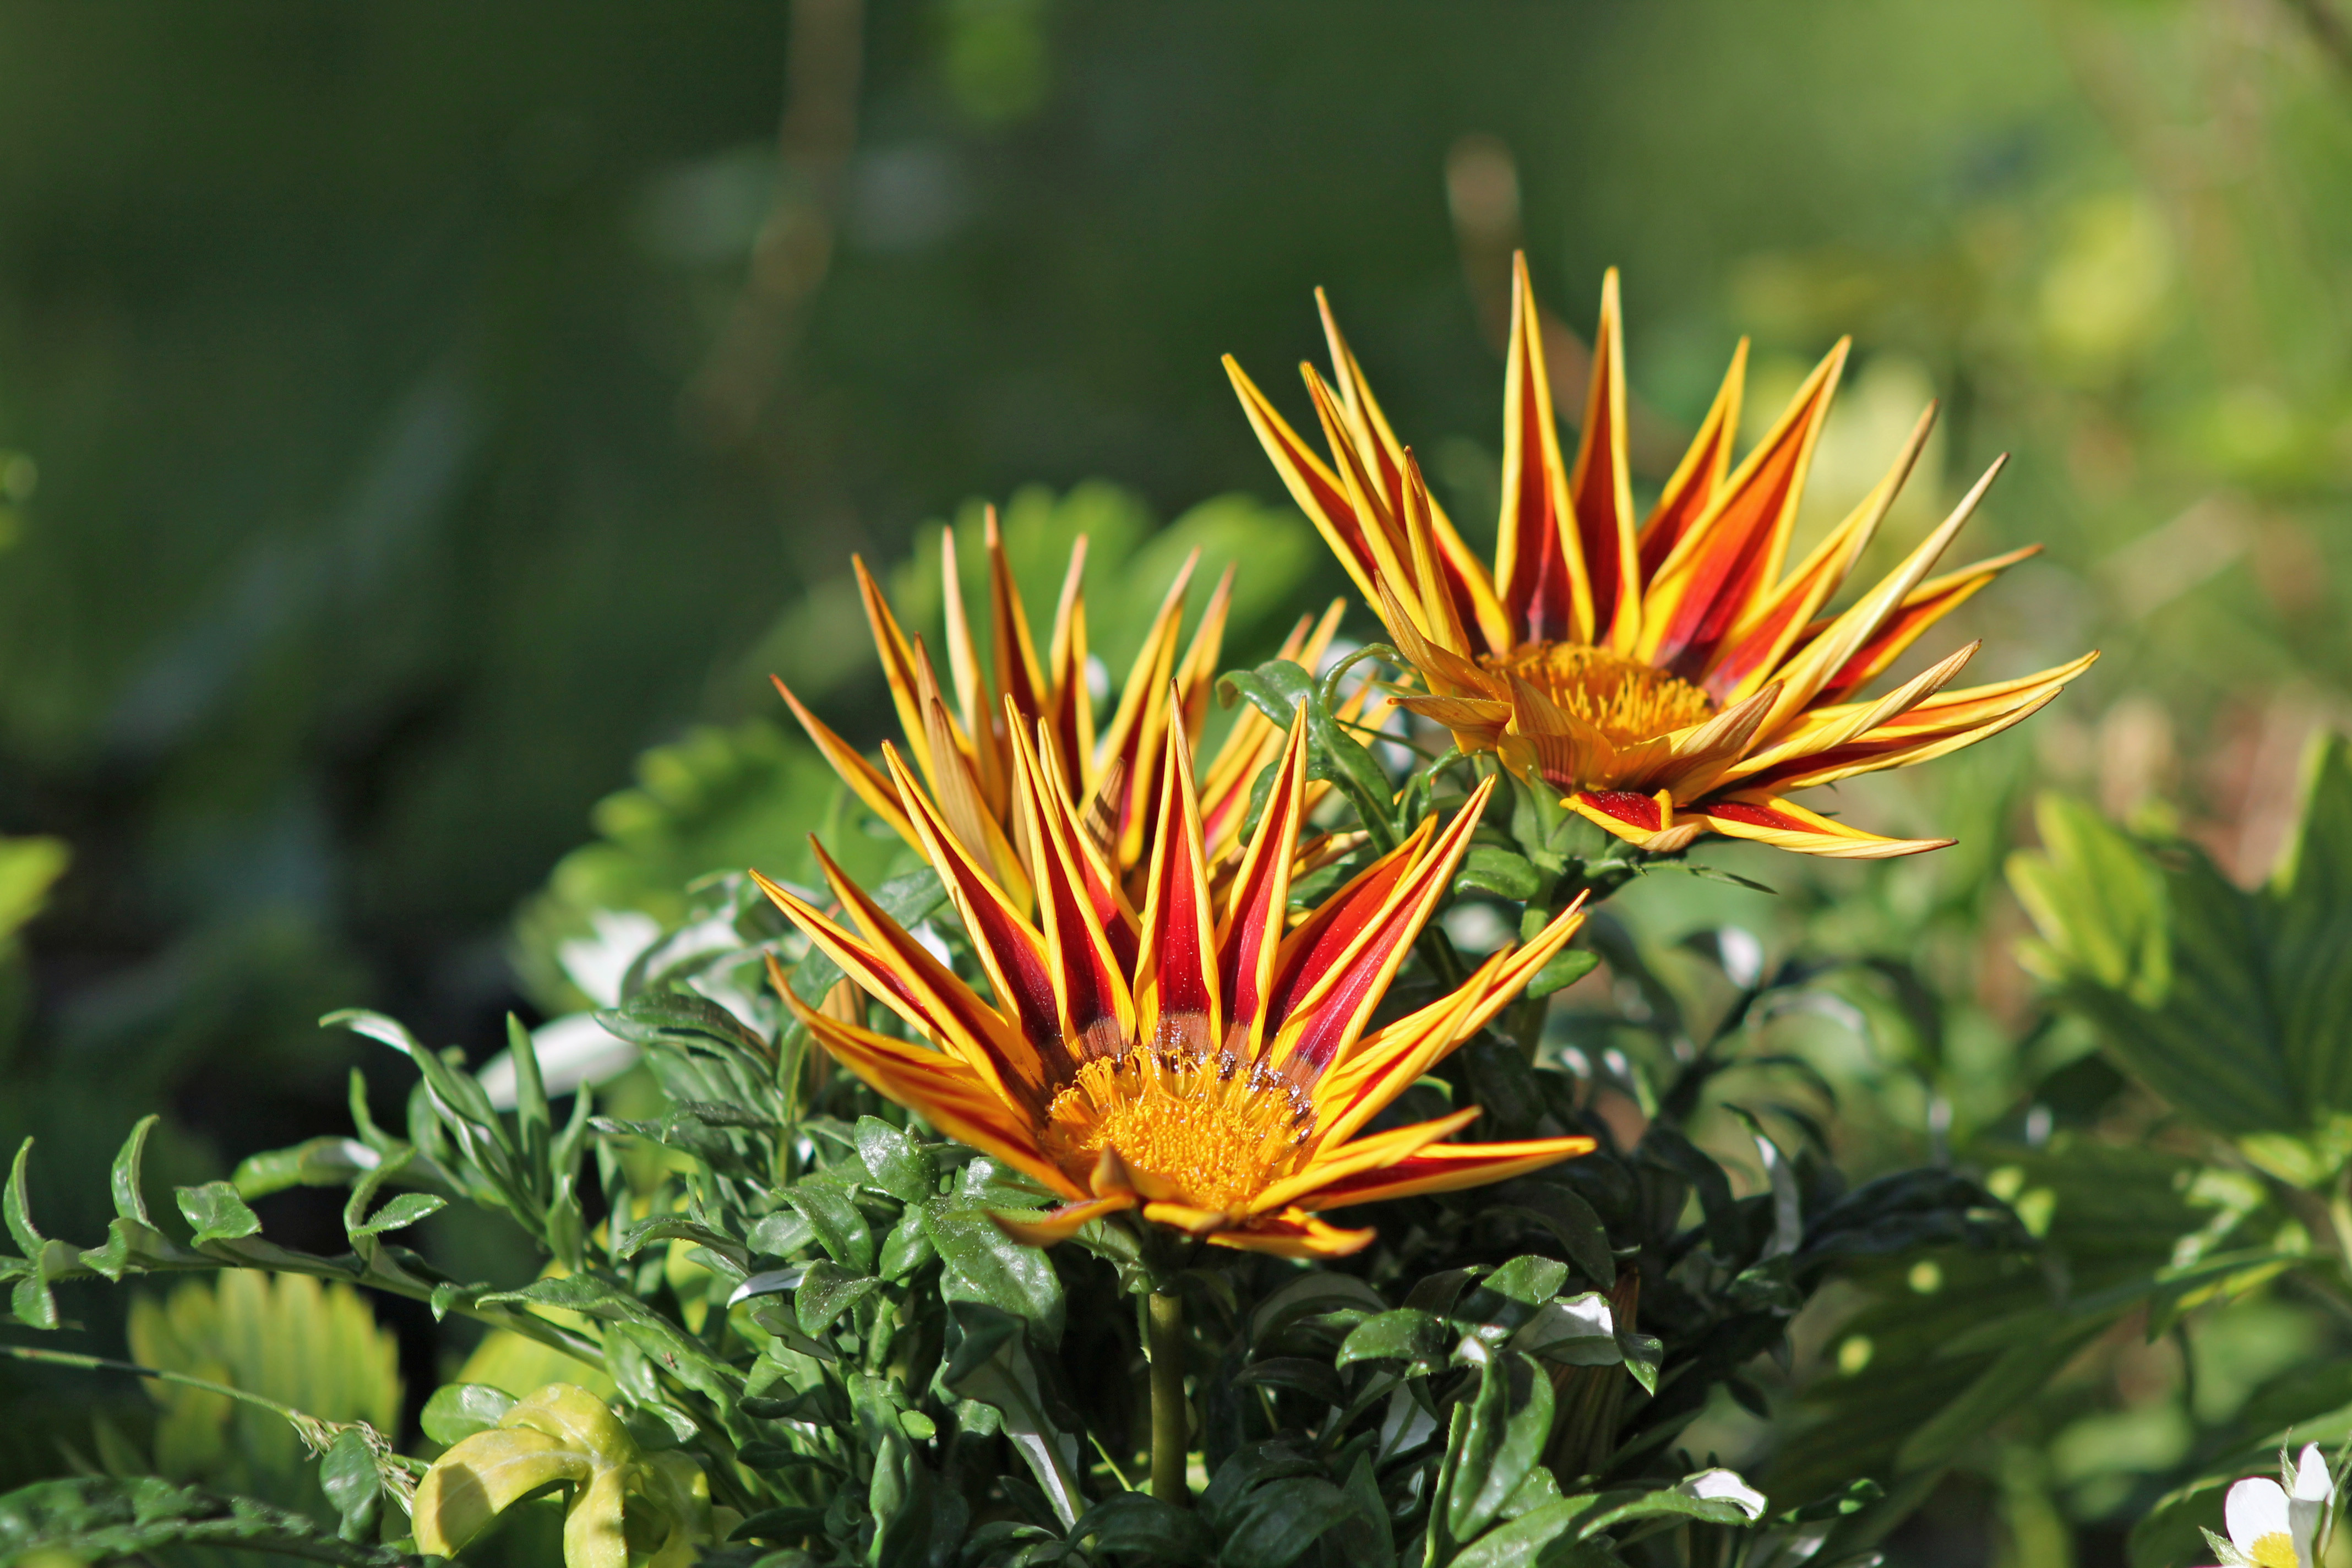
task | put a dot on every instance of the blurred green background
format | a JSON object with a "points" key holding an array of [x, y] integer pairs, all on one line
{"points": [[413, 414]]}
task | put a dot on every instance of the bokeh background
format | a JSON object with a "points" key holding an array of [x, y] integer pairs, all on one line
{"points": [[423, 424]]}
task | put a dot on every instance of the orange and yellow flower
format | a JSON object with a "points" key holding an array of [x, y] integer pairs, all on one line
{"points": [[1205, 1062], [1667, 676], [965, 755]]}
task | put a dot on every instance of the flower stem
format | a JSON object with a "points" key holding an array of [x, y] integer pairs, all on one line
{"points": [[1171, 1420]]}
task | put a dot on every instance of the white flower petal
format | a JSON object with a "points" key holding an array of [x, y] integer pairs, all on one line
{"points": [[1727, 1486], [2255, 1509], [2311, 1483]]}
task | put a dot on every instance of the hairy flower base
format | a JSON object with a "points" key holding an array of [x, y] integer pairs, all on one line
{"points": [[1206, 1130], [1623, 698]]}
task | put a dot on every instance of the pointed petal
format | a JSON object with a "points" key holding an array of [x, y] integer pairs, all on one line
{"points": [[894, 967], [1132, 743], [1010, 950], [962, 802], [1337, 1161], [934, 1086], [1448, 1167], [1321, 1021], [1538, 564], [1318, 490], [1804, 674], [1814, 740], [1385, 1064], [1250, 935], [1294, 1234], [1096, 1013], [963, 654], [1601, 487], [862, 777], [897, 658], [1730, 556], [1018, 678], [1465, 577], [1059, 1224], [1176, 981], [1071, 717], [1785, 825], [1699, 475], [1921, 608], [1756, 646], [1199, 671], [1646, 821]]}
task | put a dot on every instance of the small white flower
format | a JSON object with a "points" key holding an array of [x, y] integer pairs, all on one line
{"points": [[1726, 1486], [2277, 1526]]}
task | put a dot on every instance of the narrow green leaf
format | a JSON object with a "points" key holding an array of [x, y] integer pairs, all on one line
{"points": [[839, 1229], [347, 1473]]}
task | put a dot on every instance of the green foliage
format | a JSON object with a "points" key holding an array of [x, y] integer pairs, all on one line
{"points": [[2232, 1004]]}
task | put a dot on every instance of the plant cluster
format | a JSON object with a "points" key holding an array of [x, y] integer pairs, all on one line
{"points": [[903, 1249]]}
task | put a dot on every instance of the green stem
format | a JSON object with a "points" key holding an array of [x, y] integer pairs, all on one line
{"points": [[1171, 1420], [310, 1427]]}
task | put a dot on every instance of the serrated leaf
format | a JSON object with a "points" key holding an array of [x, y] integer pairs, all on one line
{"points": [[826, 1291], [899, 1166], [399, 1214], [347, 1473], [839, 1229], [981, 1264], [216, 1212]]}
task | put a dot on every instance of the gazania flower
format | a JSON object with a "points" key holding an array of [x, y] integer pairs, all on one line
{"points": [[1196, 1063], [1666, 675], [2275, 1526], [965, 755]]}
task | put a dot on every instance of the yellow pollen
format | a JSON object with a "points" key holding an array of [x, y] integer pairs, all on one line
{"points": [[1623, 698], [1204, 1132], [2276, 1550]]}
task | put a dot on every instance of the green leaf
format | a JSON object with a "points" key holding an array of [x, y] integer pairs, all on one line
{"points": [[840, 1229], [399, 1214], [1565, 969], [129, 1202], [1523, 1540], [458, 1410], [1583, 1239], [1312, 1295], [31, 1299], [1406, 1335], [216, 1213], [1510, 1422], [1140, 1523], [899, 1167], [347, 1473], [1274, 1525], [1668, 1504], [981, 1264], [1508, 876], [103, 1519], [826, 1291]]}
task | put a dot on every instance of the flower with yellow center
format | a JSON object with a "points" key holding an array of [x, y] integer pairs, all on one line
{"points": [[965, 754], [1205, 1063], [1667, 676], [2275, 1525]]}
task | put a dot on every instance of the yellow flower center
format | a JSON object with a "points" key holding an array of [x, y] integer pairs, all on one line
{"points": [[1623, 698], [2276, 1550], [1208, 1133]]}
